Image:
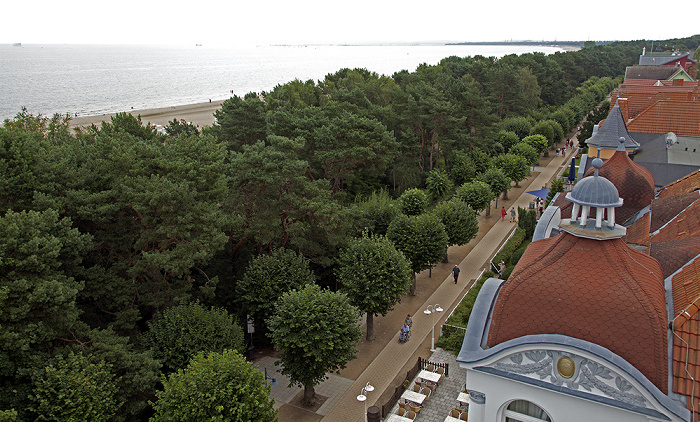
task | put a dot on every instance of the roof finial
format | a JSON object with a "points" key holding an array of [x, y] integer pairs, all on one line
{"points": [[621, 145]]}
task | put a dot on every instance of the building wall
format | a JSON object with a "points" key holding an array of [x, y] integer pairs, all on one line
{"points": [[499, 392]]}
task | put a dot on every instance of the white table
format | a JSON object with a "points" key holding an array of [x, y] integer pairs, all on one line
{"points": [[463, 398], [393, 417], [413, 397], [450, 419], [433, 377]]}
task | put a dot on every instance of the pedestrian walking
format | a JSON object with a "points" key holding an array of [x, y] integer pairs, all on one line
{"points": [[512, 214], [455, 273], [503, 213]]}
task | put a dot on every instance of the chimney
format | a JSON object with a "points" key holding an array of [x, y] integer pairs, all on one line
{"points": [[624, 109]]}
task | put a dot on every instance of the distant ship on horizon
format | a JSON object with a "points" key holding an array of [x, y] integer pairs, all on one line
{"points": [[17, 44]]}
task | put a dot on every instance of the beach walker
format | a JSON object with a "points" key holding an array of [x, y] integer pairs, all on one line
{"points": [[404, 335]]}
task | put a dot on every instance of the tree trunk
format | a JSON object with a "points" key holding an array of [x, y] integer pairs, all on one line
{"points": [[488, 210], [412, 291], [505, 195], [309, 395], [370, 326]]}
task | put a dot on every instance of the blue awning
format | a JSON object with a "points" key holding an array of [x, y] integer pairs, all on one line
{"points": [[542, 193]]}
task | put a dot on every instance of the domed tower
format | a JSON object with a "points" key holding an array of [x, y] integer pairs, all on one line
{"points": [[586, 283], [634, 183]]}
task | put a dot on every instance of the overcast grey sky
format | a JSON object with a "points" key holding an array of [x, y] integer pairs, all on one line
{"points": [[256, 22]]}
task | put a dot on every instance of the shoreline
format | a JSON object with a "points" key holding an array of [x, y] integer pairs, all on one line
{"points": [[199, 114]]}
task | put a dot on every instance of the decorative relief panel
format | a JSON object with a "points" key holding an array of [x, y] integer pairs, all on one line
{"points": [[572, 371]]}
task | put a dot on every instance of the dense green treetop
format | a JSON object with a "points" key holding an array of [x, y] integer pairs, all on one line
{"points": [[315, 331], [74, 388], [267, 278], [180, 332], [374, 274], [215, 386]]}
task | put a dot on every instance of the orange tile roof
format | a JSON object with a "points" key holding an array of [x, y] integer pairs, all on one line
{"points": [[679, 117], [673, 255], [684, 226], [638, 233], [664, 209], [689, 183], [618, 302]]}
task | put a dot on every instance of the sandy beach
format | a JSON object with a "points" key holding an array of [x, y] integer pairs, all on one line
{"points": [[200, 115]]}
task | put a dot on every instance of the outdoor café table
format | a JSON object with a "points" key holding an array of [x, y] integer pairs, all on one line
{"points": [[463, 399], [450, 419], [433, 377], [393, 417], [413, 397]]}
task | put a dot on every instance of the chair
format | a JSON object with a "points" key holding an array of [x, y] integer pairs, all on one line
{"points": [[420, 383], [403, 406], [430, 368], [440, 370], [431, 388], [455, 413], [417, 388], [401, 411], [415, 409], [463, 417], [411, 414]]}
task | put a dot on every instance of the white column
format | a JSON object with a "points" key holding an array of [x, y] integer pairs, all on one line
{"points": [[611, 217], [599, 217], [574, 213], [477, 406], [584, 215]]}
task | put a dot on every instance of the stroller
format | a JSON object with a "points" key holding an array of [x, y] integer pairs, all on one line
{"points": [[404, 334]]}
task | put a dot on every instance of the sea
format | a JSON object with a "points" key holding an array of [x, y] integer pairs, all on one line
{"points": [[97, 79]]}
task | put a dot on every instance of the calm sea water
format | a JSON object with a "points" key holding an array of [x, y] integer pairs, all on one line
{"points": [[90, 80]]}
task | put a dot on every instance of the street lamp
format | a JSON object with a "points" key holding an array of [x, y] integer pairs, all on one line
{"points": [[273, 380], [363, 398], [428, 311]]}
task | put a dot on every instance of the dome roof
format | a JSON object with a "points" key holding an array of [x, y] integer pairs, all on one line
{"points": [[595, 191], [618, 302], [634, 183]]}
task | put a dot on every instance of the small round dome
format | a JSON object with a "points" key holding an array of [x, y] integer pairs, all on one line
{"points": [[595, 191]]}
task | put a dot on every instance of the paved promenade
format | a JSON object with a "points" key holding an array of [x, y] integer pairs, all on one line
{"points": [[342, 404]]}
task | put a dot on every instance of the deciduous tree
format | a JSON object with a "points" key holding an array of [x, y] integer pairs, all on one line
{"points": [[215, 386], [180, 332], [421, 238], [267, 278], [374, 274], [315, 331]]}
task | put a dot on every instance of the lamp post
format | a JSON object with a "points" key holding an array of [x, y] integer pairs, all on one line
{"points": [[363, 398], [431, 310], [273, 380]]}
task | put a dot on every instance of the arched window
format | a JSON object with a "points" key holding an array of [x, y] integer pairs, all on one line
{"points": [[524, 411]]}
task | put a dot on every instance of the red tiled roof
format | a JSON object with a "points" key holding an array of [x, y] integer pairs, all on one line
{"points": [[616, 303], [679, 117], [638, 232], [689, 183], [686, 329], [684, 226], [674, 254], [664, 209]]}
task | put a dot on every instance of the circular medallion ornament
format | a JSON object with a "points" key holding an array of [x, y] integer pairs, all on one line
{"points": [[566, 367]]}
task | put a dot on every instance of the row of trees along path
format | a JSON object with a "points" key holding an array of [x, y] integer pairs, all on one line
{"points": [[428, 281]]}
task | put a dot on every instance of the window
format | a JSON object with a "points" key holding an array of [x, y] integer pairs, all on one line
{"points": [[524, 411]]}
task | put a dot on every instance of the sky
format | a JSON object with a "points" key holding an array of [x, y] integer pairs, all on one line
{"points": [[264, 22]]}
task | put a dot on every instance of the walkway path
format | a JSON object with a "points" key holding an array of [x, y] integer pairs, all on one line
{"points": [[389, 363]]}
